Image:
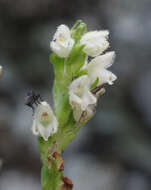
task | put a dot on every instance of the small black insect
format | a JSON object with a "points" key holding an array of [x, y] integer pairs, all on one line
{"points": [[32, 99]]}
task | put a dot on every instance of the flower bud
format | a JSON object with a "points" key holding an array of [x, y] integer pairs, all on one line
{"points": [[95, 42]]}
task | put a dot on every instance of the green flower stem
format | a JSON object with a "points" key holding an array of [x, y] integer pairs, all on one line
{"points": [[65, 71], [51, 176]]}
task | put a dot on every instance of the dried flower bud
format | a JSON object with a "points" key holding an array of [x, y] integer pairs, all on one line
{"points": [[67, 184], [60, 161]]}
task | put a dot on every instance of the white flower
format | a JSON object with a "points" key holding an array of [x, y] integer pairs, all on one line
{"points": [[97, 68], [62, 42], [45, 123], [80, 96], [95, 42]]}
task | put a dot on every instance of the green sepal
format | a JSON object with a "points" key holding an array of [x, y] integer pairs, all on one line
{"points": [[75, 60], [78, 30], [94, 84], [81, 73]]}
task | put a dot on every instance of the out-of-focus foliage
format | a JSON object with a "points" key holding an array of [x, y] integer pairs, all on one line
{"points": [[118, 138]]}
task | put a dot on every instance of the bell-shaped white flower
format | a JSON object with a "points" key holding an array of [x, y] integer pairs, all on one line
{"points": [[97, 68], [95, 42], [62, 42], [80, 96], [45, 123]]}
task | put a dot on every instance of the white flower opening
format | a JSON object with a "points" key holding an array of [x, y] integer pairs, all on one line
{"points": [[45, 123], [80, 96], [97, 68], [62, 42], [95, 42]]}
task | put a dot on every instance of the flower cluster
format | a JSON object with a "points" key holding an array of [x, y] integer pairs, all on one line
{"points": [[82, 96], [83, 89]]}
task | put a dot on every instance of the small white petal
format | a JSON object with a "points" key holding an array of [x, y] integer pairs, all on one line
{"points": [[88, 99], [102, 61], [34, 128], [106, 77], [62, 42], [95, 35], [45, 132], [95, 42], [62, 30]]}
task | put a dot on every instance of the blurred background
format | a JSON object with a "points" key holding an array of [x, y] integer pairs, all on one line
{"points": [[113, 151]]}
